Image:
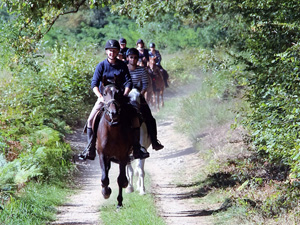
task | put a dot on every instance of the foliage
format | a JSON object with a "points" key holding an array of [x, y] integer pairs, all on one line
{"points": [[37, 106], [45, 158], [273, 94], [35, 205], [61, 87]]}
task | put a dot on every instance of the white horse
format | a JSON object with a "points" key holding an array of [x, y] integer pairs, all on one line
{"points": [[145, 142]]}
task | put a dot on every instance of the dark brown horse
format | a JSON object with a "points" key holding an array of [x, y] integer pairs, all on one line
{"points": [[158, 84], [114, 138]]}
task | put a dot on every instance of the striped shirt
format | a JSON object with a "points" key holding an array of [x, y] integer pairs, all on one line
{"points": [[139, 78]]}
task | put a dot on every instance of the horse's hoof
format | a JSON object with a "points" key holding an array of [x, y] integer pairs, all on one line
{"points": [[129, 189], [106, 192], [142, 192]]}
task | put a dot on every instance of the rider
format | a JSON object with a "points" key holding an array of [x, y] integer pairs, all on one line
{"points": [[155, 53], [123, 48], [111, 67], [139, 78], [143, 53]]}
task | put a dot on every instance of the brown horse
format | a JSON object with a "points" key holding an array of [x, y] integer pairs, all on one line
{"points": [[114, 138], [157, 83]]}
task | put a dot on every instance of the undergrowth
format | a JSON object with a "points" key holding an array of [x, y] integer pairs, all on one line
{"points": [[34, 204]]}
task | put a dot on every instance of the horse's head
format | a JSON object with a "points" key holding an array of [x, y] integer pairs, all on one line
{"points": [[152, 62], [111, 95]]}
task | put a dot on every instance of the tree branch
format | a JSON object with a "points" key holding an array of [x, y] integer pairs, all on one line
{"points": [[61, 14]]}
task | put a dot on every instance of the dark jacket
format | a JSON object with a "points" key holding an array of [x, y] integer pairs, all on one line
{"points": [[104, 68]]}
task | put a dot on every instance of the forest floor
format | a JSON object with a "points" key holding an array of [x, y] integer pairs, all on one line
{"points": [[177, 163]]}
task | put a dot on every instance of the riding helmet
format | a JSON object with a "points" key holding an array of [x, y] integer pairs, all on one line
{"points": [[112, 44], [140, 41], [122, 41], [132, 51], [151, 45]]}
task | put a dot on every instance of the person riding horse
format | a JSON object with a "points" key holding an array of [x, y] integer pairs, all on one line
{"points": [[139, 78], [155, 53], [123, 48], [110, 68], [143, 53]]}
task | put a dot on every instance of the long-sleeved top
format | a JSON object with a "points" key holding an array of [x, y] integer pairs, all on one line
{"points": [[118, 69], [123, 51], [139, 78], [157, 55]]}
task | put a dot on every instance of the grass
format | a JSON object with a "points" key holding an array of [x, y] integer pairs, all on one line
{"points": [[136, 210], [34, 205]]}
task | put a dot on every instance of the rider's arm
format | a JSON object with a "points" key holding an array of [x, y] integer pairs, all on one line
{"points": [[97, 92], [128, 81], [97, 77], [144, 79], [126, 92]]}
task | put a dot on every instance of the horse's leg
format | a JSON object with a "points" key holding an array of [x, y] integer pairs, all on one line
{"points": [[153, 99], [162, 98], [122, 182], [141, 175], [105, 166], [129, 173], [157, 100]]}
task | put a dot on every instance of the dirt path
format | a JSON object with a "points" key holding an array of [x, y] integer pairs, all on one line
{"points": [[169, 167], [166, 168]]}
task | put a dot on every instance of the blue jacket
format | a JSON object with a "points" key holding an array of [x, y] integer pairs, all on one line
{"points": [[158, 57], [104, 68]]}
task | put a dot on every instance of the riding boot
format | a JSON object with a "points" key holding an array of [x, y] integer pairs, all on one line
{"points": [[90, 151], [151, 126], [139, 152]]}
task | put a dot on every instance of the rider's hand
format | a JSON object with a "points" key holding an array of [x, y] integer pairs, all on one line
{"points": [[100, 99], [126, 92]]}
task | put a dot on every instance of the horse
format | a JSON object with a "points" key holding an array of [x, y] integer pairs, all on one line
{"points": [[145, 142], [114, 137], [157, 83]]}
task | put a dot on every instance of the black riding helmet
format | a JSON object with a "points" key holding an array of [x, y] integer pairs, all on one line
{"points": [[122, 41], [140, 41], [151, 45], [112, 44], [132, 51]]}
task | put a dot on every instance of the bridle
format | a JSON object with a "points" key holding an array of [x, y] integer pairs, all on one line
{"points": [[107, 109], [113, 113]]}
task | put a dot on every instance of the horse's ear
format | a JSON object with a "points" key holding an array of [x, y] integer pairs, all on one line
{"points": [[104, 80], [117, 80]]}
